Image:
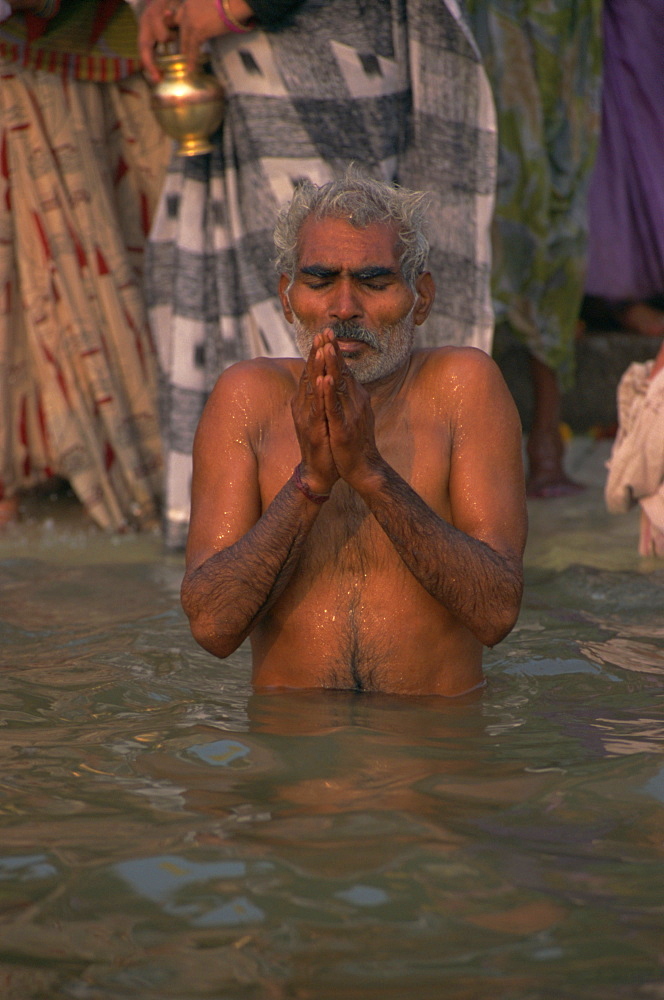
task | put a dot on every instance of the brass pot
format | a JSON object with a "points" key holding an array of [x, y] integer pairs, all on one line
{"points": [[188, 106]]}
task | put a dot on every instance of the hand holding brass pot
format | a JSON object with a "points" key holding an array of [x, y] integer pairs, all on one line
{"points": [[189, 106]]}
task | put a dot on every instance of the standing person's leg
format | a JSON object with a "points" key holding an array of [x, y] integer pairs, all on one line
{"points": [[568, 98], [547, 120], [545, 448]]}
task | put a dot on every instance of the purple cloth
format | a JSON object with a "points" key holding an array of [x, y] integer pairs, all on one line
{"points": [[626, 199]]}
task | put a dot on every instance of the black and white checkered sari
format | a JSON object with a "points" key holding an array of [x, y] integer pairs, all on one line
{"points": [[394, 85]]}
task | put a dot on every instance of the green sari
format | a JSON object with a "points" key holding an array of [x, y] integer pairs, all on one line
{"points": [[543, 58]]}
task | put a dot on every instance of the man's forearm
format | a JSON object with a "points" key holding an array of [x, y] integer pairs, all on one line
{"points": [[478, 585], [226, 595]]}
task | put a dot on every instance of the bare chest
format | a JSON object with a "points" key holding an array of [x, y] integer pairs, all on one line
{"points": [[415, 445]]}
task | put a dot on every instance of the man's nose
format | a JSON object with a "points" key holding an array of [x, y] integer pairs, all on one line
{"points": [[346, 302]]}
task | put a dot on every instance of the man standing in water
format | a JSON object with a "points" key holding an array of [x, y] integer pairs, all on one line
{"points": [[360, 514]]}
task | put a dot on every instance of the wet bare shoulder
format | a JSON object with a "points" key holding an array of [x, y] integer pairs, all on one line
{"points": [[451, 377], [469, 362], [249, 390], [258, 376]]}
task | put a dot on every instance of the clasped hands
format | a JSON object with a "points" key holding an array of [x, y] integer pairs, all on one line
{"points": [[333, 419]]}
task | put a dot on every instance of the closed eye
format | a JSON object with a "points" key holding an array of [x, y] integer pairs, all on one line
{"points": [[378, 284], [377, 278], [318, 282]]}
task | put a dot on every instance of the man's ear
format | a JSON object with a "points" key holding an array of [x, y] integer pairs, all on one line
{"points": [[425, 291], [284, 283]]}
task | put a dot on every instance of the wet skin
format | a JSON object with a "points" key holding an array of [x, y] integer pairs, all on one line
{"points": [[414, 563]]}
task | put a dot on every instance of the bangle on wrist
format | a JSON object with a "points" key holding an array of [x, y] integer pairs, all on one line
{"points": [[303, 488], [232, 22]]}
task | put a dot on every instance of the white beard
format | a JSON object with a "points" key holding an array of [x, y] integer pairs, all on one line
{"points": [[389, 348]]}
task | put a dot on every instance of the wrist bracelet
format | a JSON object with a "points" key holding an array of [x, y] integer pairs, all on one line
{"points": [[231, 22], [303, 488]]}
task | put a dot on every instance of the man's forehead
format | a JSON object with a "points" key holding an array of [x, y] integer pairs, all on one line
{"points": [[337, 242]]}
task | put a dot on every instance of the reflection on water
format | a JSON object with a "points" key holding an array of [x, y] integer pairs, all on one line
{"points": [[168, 834]]}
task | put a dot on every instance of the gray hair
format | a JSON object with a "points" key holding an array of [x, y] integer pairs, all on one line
{"points": [[361, 200]]}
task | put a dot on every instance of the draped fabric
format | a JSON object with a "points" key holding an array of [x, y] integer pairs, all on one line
{"points": [[81, 166], [636, 466], [396, 86], [626, 201], [543, 58], [85, 40]]}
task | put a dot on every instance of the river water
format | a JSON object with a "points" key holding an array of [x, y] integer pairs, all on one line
{"points": [[165, 833]]}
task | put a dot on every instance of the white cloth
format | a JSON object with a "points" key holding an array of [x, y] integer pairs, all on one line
{"points": [[636, 466], [5, 10]]}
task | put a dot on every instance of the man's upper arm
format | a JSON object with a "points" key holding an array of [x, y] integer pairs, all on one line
{"points": [[225, 498], [487, 486]]}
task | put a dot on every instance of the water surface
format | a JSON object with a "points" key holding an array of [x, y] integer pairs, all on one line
{"points": [[166, 833]]}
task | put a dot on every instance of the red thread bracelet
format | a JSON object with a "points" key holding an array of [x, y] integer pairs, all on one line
{"points": [[309, 493], [229, 21]]}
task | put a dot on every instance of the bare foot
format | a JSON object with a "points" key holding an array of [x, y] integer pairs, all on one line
{"points": [[547, 477], [8, 511], [644, 319], [549, 487]]}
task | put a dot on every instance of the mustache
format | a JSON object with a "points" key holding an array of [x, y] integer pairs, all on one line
{"points": [[346, 329]]}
